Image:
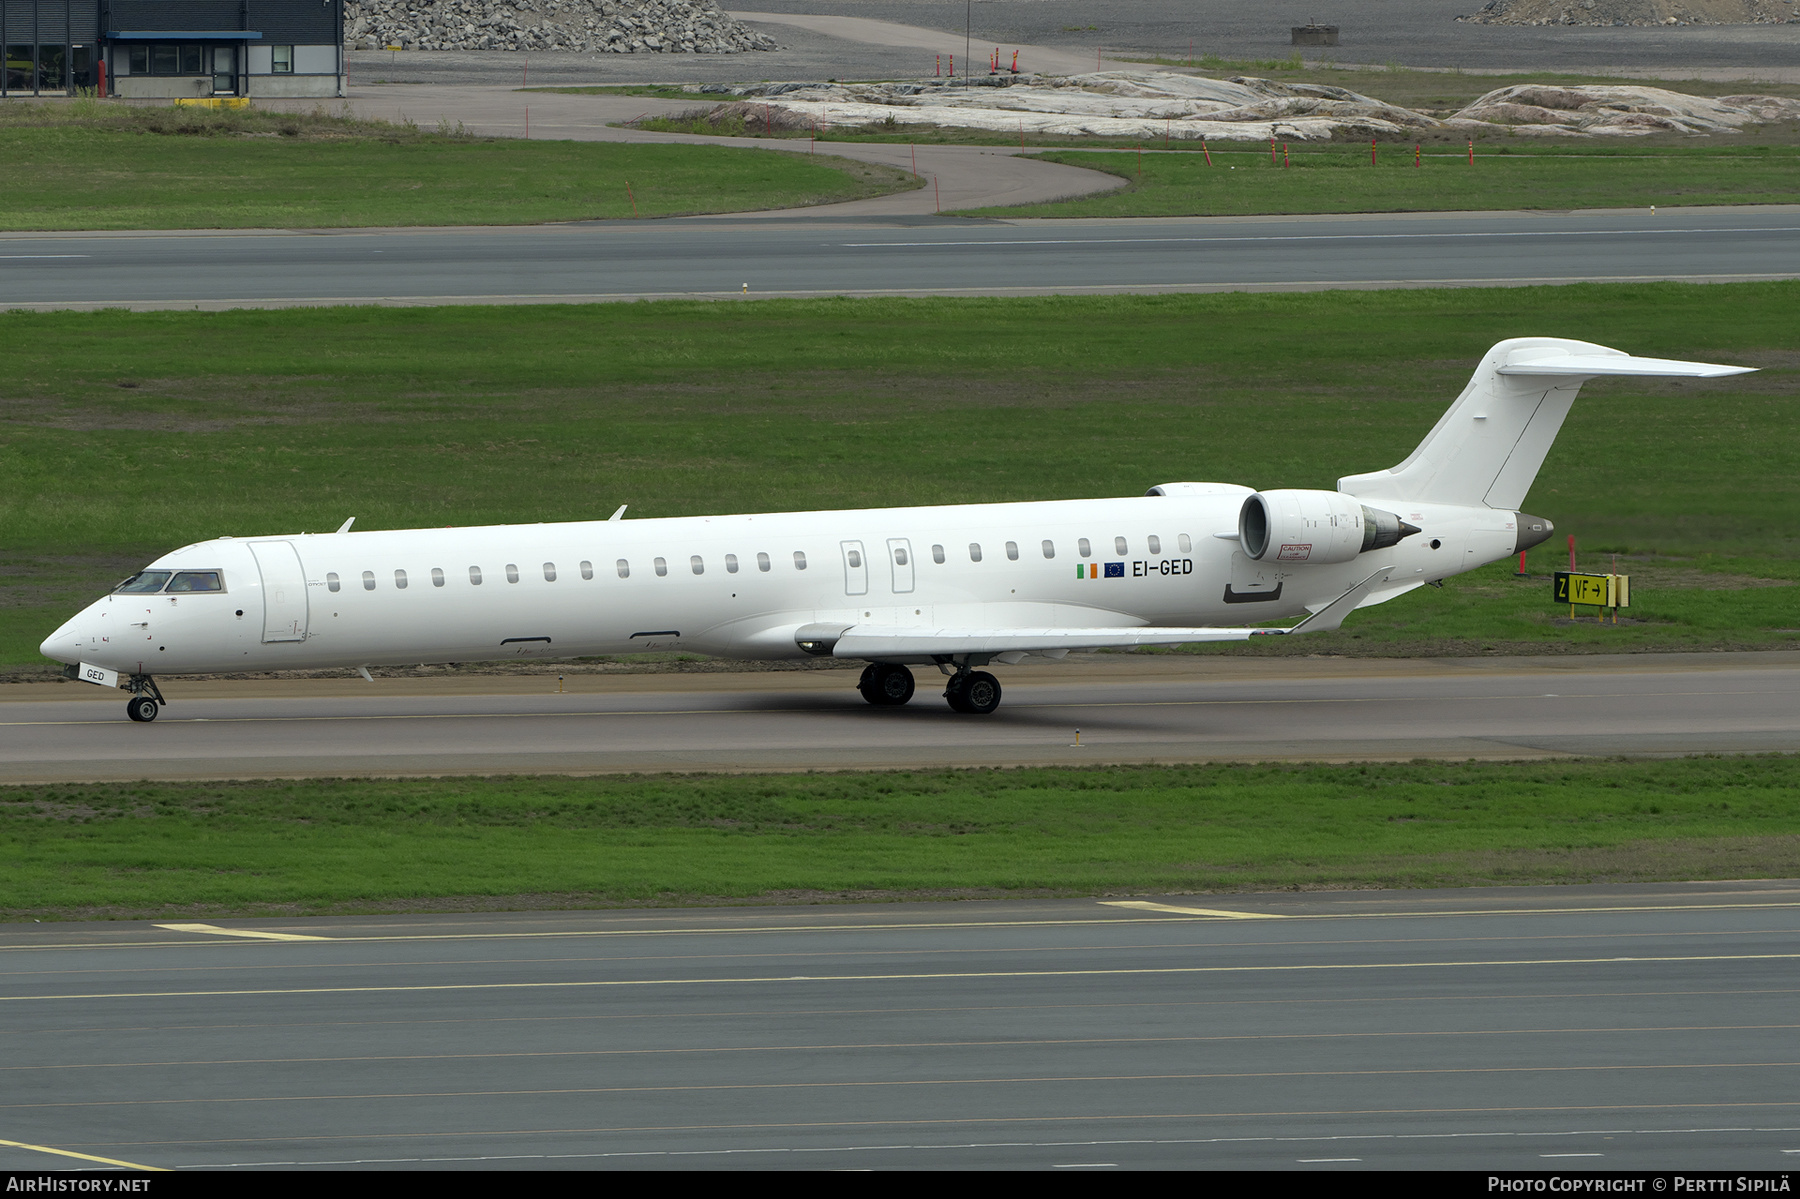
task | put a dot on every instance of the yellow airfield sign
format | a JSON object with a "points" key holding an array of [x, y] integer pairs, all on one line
{"points": [[1599, 591]]}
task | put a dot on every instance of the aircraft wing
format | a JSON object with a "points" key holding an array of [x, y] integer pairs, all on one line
{"points": [[882, 641]]}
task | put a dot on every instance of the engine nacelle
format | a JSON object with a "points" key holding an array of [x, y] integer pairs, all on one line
{"points": [[1314, 526]]}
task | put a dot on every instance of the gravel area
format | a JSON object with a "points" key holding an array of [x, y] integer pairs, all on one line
{"points": [[1416, 33]]}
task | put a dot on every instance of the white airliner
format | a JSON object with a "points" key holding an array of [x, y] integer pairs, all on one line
{"points": [[958, 587]]}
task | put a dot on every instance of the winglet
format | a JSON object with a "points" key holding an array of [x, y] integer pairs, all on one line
{"points": [[620, 514], [345, 527]]}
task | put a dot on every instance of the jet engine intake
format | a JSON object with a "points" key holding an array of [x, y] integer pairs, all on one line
{"points": [[1291, 525]]}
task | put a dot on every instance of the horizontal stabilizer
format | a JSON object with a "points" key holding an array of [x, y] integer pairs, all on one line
{"points": [[1567, 365]]}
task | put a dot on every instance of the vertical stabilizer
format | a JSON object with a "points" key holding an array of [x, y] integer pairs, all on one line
{"points": [[1486, 450]]}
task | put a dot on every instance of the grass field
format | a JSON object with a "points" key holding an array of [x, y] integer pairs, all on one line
{"points": [[1339, 178], [123, 435], [358, 845], [88, 165]]}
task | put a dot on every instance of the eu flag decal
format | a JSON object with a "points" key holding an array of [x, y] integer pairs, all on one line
{"points": [[1115, 570]]}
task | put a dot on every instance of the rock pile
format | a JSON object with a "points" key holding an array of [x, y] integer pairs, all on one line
{"points": [[597, 26], [1637, 12], [1153, 104]]}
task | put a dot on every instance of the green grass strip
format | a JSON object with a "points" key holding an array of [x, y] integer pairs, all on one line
{"points": [[219, 848], [1338, 178]]}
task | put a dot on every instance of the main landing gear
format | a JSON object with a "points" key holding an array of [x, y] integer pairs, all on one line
{"points": [[146, 699], [973, 691], [886, 685]]}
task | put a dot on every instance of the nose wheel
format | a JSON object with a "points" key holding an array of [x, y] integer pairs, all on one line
{"points": [[146, 699]]}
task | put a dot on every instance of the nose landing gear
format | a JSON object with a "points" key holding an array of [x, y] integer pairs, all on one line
{"points": [[146, 699]]}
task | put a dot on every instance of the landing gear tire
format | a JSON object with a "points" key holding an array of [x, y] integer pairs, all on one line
{"points": [[886, 685], [141, 708], [976, 693]]}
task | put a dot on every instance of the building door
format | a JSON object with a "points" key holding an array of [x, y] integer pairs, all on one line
{"points": [[284, 590], [900, 560], [856, 568], [224, 70]]}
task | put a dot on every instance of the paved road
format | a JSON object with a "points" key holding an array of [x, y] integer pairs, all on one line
{"points": [[1142, 710], [1562, 1029], [802, 256]]}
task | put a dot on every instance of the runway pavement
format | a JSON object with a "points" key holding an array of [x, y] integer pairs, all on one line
{"points": [[1545, 1029], [1128, 709], [810, 256]]}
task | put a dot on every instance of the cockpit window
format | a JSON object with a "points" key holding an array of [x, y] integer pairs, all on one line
{"points": [[143, 581], [196, 580]]}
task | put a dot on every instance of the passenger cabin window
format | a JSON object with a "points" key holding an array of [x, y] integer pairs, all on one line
{"points": [[1012, 551], [587, 570], [698, 566], [474, 576], [799, 560], [1086, 547], [937, 554], [1186, 543], [400, 579], [437, 576], [730, 564], [143, 581], [974, 551], [331, 581], [195, 580], [624, 569], [512, 572], [549, 572], [1119, 546], [900, 556], [762, 562], [368, 580], [855, 558], [1155, 544], [662, 567], [1049, 549]]}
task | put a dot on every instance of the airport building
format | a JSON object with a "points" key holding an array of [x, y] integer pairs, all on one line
{"points": [[171, 49]]}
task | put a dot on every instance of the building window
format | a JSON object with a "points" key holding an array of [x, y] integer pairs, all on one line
{"points": [[974, 551], [437, 576], [400, 579], [368, 580], [730, 564], [662, 567], [1155, 544], [799, 560], [331, 581], [137, 60], [937, 554], [587, 570], [512, 572], [281, 60], [1012, 551], [699, 566], [549, 572], [762, 562], [624, 569], [474, 576]]}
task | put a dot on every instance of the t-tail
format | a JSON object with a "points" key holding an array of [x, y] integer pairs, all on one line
{"points": [[1486, 450]]}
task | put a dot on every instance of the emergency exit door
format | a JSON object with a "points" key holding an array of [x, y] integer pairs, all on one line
{"points": [[283, 589]]}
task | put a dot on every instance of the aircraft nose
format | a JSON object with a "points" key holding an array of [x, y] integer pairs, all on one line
{"points": [[64, 645]]}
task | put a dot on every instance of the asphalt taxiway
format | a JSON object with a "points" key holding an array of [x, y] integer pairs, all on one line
{"points": [[1567, 1029], [732, 257], [1127, 708]]}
